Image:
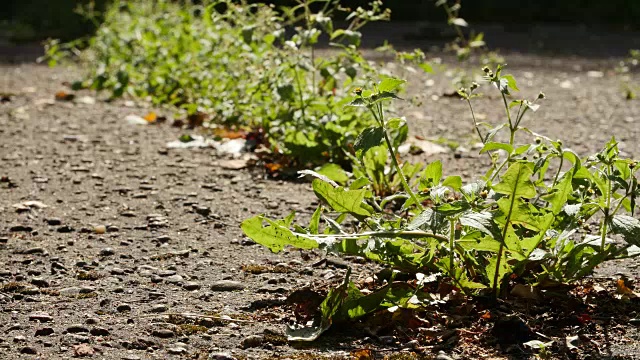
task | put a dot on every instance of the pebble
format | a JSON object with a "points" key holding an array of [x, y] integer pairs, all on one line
{"points": [[53, 221], [100, 229], [40, 316], [77, 328], [252, 341], [20, 228], [177, 350], [174, 279], [158, 308], [107, 252], [46, 331], [442, 356], [221, 356], [116, 271], [98, 331], [123, 307], [191, 286], [163, 333], [40, 282], [19, 338], [35, 250], [83, 350], [28, 350], [227, 285], [65, 229], [165, 273]]}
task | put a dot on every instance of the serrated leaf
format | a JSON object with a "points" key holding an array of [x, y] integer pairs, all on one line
{"points": [[496, 146], [516, 181], [376, 98], [454, 182], [341, 200], [484, 243], [275, 237], [357, 102], [482, 221], [314, 224], [334, 172], [369, 138], [557, 197], [490, 269], [628, 227], [390, 85], [433, 173]]}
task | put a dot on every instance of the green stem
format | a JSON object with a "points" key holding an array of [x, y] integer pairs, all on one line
{"points": [[606, 210], [404, 234], [555, 180], [501, 249], [475, 123], [452, 238], [380, 119]]}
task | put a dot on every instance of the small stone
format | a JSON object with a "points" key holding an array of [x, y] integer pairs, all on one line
{"points": [[54, 221], [40, 316], [442, 356], [202, 210], [123, 308], [158, 308], [28, 350], [100, 229], [19, 338], [163, 333], [191, 286], [40, 282], [77, 328], [163, 239], [221, 356], [116, 271], [20, 228], [107, 252], [227, 285], [156, 279], [70, 291], [83, 350], [174, 279], [65, 229], [165, 273], [177, 350], [252, 341], [35, 250], [46, 331], [112, 228], [98, 331]]}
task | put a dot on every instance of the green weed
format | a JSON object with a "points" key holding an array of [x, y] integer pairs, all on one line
{"points": [[525, 219]]}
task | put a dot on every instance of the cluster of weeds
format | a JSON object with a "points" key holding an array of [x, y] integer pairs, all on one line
{"points": [[526, 222], [243, 66]]}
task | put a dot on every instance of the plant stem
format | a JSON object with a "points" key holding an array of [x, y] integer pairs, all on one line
{"points": [[475, 123], [607, 209], [452, 238], [555, 180], [380, 119]]}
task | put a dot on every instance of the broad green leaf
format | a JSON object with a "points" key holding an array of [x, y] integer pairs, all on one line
{"points": [[369, 138], [516, 181], [511, 82], [341, 200], [395, 123], [479, 243], [628, 227], [482, 221], [383, 96], [432, 173], [275, 237], [557, 197], [390, 85], [503, 270], [454, 182], [428, 219], [453, 208], [314, 224], [334, 172], [496, 146]]}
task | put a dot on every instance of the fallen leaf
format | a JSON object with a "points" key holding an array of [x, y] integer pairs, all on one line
{"points": [[151, 117], [64, 96], [572, 342], [362, 354]]}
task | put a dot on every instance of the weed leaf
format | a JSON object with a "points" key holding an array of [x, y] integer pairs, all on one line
{"points": [[341, 200], [275, 236]]}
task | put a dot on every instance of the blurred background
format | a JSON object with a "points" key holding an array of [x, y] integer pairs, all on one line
{"points": [[34, 20]]}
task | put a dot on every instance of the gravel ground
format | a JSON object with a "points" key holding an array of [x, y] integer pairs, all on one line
{"points": [[171, 241]]}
